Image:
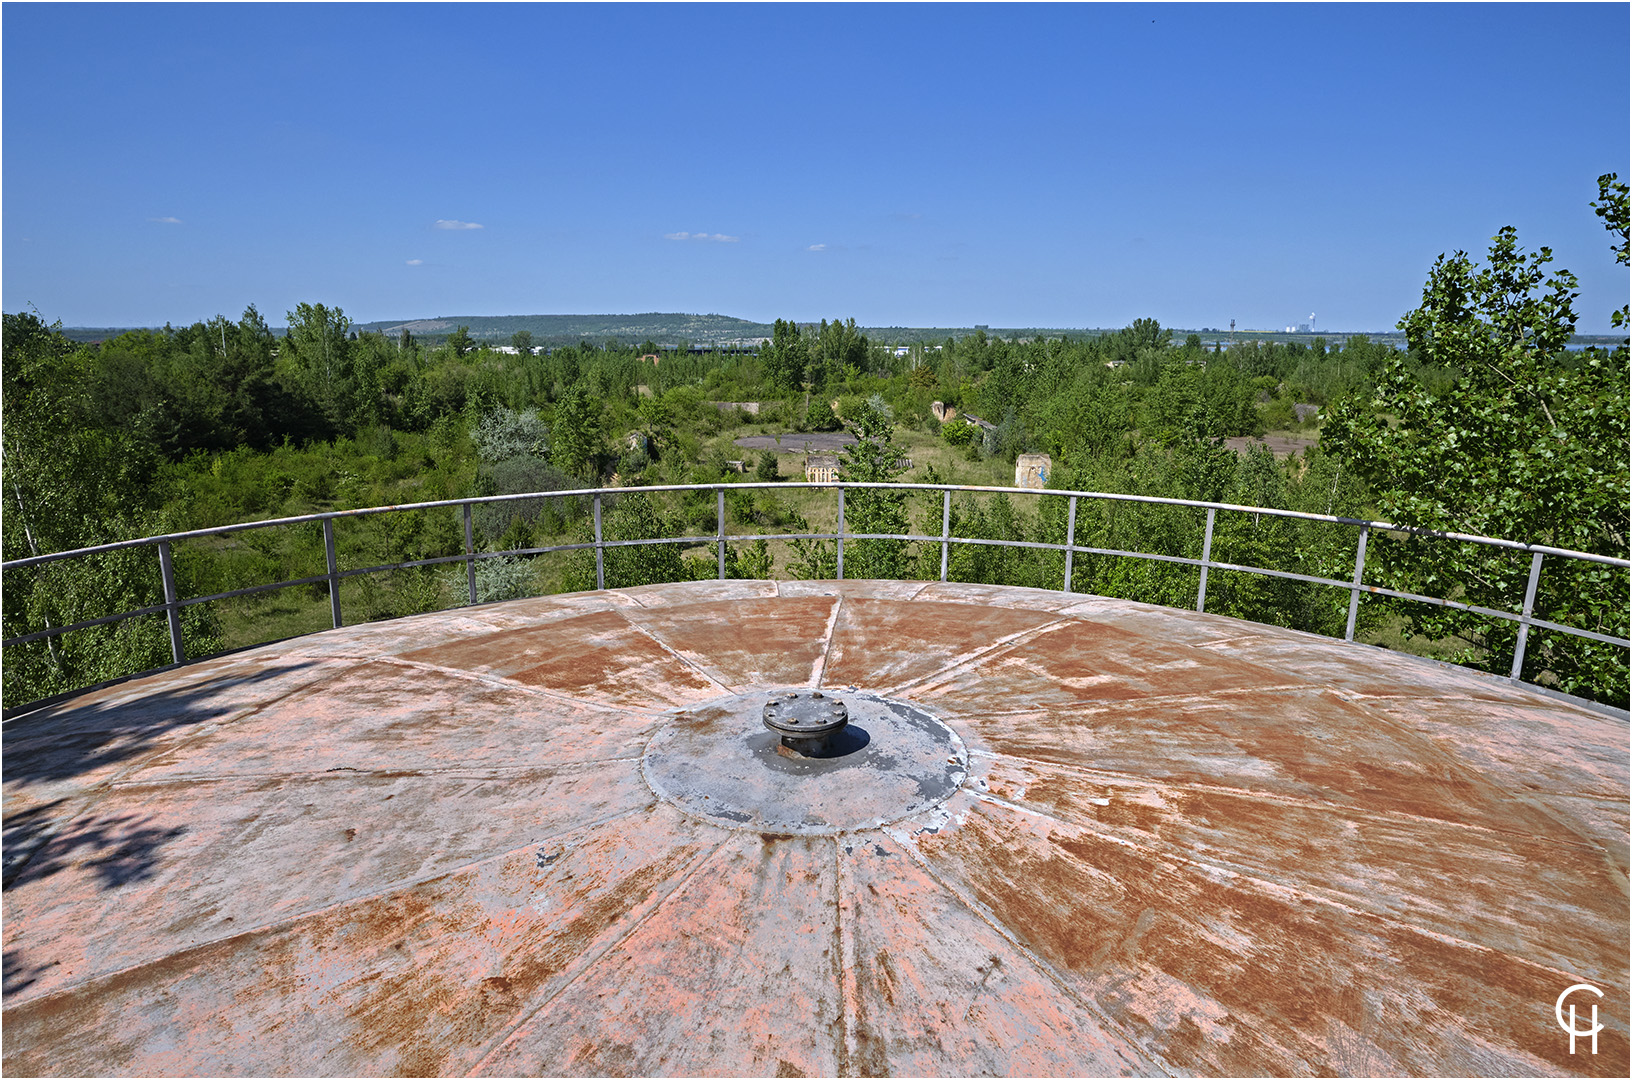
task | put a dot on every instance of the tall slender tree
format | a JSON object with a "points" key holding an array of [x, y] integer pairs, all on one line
{"points": [[875, 457]]}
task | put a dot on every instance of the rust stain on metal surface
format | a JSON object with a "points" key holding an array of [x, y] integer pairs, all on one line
{"points": [[1154, 842], [598, 656]]}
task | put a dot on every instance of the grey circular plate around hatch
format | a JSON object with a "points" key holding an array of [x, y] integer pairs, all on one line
{"points": [[717, 761]]}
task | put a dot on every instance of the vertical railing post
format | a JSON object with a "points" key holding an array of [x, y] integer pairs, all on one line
{"points": [[839, 534], [167, 573], [1206, 556], [470, 555], [1354, 590], [946, 527], [1524, 622], [719, 517], [334, 572], [600, 564], [1070, 540]]}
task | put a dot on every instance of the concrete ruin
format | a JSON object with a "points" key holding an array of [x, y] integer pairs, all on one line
{"points": [[822, 469], [1031, 471]]}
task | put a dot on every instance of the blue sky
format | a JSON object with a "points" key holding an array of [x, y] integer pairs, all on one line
{"points": [[1052, 165]]}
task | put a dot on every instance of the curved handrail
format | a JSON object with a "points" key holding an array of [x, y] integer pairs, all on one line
{"points": [[784, 485], [173, 603]]}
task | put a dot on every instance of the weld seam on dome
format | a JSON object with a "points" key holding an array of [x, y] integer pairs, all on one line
{"points": [[503, 1039], [985, 651], [507, 682], [1381, 817], [1226, 876], [818, 668], [718, 680], [294, 918], [1148, 1067]]}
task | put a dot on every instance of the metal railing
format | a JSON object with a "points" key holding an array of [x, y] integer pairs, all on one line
{"points": [[174, 604]]}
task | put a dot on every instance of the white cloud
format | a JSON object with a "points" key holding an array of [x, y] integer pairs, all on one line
{"points": [[718, 238], [415, 262], [442, 223], [817, 247], [166, 220]]}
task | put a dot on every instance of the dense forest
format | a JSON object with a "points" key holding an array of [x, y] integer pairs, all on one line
{"points": [[1485, 424]]}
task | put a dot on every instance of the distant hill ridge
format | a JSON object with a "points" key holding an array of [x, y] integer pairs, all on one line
{"points": [[672, 328], [665, 328], [660, 327]]}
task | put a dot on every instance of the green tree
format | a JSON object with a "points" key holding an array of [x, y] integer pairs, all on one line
{"points": [[1611, 205], [459, 342], [317, 351], [577, 434], [767, 467], [65, 476], [874, 457], [841, 353], [1528, 443], [1148, 334], [505, 433], [785, 357], [69, 481], [630, 517], [522, 342]]}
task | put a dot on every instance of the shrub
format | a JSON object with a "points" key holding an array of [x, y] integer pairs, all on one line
{"points": [[767, 467]]}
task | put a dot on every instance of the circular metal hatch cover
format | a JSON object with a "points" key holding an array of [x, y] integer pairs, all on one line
{"points": [[719, 761]]}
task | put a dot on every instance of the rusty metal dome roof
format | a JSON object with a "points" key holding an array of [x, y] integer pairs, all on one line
{"points": [[1057, 835]]}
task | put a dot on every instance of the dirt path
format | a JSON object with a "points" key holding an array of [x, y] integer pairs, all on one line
{"points": [[1282, 446], [815, 442]]}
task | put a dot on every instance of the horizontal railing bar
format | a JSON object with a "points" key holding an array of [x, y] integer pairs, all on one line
{"points": [[757, 536], [1493, 613], [1593, 634], [1137, 555], [358, 572], [53, 631], [222, 530], [814, 536], [1040, 544], [251, 589], [658, 540], [430, 562], [479, 555], [1344, 585]]}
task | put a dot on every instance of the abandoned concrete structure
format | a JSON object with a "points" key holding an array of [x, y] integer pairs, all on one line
{"points": [[1031, 471], [821, 468]]}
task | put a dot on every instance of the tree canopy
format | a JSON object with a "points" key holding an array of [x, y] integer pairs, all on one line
{"points": [[1488, 423], [1522, 440]]}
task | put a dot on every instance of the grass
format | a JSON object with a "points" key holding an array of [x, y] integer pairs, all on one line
{"points": [[1391, 633]]}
